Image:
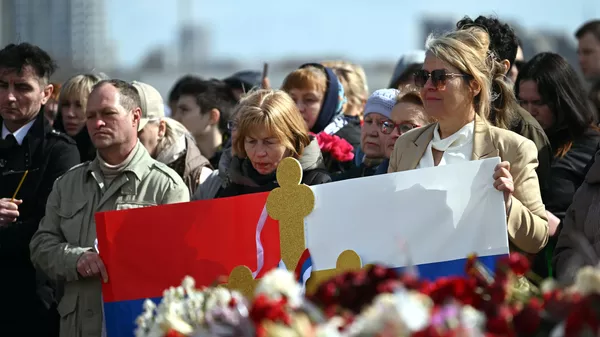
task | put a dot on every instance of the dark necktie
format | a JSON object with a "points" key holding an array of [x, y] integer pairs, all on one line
{"points": [[9, 142]]}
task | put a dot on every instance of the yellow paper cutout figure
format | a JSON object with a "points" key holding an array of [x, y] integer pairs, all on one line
{"points": [[241, 279], [348, 260], [290, 204]]}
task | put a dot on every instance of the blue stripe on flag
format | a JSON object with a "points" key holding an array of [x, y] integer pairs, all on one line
{"points": [[120, 316], [432, 271], [305, 267]]}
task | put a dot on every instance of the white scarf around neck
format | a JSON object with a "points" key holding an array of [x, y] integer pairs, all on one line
{"points": [[457, 147]]}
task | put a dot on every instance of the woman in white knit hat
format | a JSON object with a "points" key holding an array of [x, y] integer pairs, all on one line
{"points": [[377, 112]]}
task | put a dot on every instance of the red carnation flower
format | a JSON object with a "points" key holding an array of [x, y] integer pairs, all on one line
{"points": [[445, 288], [174, 333], [500, 323], [528, 320], [517, 263], [339, 149], [264, 308], [583, 316], [498, 291]]}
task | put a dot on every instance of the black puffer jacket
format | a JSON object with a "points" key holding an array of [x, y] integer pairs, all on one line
{"points": [[566, 175], [244, 179]]}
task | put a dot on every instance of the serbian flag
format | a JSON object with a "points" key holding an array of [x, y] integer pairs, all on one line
{"points": [[148, 250]]}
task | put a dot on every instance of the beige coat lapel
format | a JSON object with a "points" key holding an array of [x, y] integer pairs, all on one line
{"points": [[483, 144], [411, 156]]}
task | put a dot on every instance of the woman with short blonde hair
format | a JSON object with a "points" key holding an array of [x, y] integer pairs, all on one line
{"points": [[73, 100], [71, 119], [456, 85], [270, 128]]}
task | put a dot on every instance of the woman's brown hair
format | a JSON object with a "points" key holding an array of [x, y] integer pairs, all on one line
{"points": [[307, 78], [275, 112]]}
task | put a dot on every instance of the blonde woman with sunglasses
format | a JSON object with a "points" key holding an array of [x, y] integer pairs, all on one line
{"points": [[456, 85]]}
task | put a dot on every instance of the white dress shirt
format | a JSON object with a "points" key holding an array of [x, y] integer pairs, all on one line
{"points": [[19, 134]]}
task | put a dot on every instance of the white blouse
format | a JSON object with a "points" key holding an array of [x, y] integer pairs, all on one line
{"points": [[457, 148]]}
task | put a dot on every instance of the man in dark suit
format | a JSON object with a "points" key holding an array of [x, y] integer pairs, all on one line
{"points": [[27, 144]]}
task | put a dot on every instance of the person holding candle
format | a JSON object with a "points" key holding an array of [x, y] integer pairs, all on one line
{"points": [[32, 156]]}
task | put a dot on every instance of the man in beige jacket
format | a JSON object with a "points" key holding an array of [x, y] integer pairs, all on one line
{"points": [[122, 176]]}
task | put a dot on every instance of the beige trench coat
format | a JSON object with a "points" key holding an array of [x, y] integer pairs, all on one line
{"points": [[69, 229], [527, 222]]}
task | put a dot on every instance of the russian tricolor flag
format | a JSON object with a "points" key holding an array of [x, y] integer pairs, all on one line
{"points": [[304, 267]]}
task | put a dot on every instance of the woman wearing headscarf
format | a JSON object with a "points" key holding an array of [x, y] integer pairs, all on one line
{"points": [[319, 96]]}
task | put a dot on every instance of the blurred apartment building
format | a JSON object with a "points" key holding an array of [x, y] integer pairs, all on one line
{"points": [[73, 32]]}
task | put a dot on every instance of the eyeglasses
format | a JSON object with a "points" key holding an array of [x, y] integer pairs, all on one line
{"points": [[388, 127], [438, 77], [231, 125]]}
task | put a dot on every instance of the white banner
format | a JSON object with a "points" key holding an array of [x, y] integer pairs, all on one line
{"points": [[442, 213]]}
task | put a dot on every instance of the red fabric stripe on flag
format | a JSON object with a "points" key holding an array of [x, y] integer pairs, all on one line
{"points": [[305, 255], [148, 250]]}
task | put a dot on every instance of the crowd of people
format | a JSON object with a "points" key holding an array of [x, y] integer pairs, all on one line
{"points": [[92, 144]]}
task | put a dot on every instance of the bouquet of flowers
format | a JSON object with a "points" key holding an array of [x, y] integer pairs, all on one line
{"points": [[335, 150], [380, 302]]}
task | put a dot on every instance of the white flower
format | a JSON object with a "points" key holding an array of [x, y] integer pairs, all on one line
{"points": [[413, 308], [173, 321], [278, 283], [330, 328], [217, 297], [587, 281], [548, 285], [370, 321], [188, 284], [182, 309], [403, 312], [471, 318]]}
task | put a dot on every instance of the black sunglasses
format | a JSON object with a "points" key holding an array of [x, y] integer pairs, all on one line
{"points": [[438, 77]]}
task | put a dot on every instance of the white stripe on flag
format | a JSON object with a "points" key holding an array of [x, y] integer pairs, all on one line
{"points": [[260, 252], [305, 277]]}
